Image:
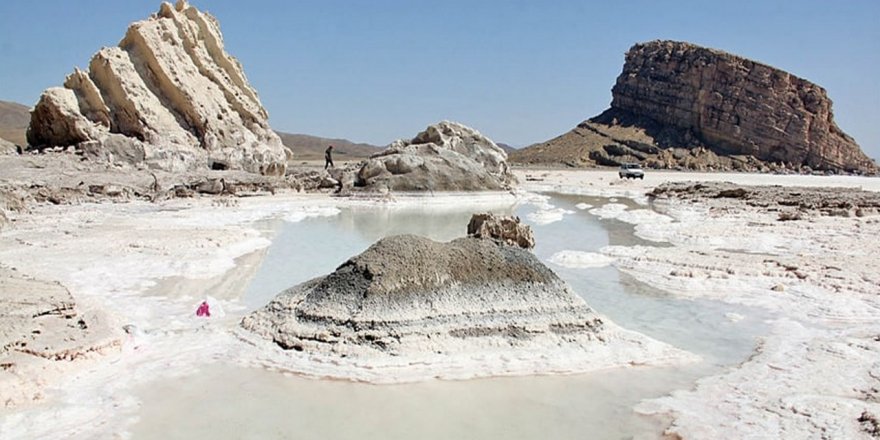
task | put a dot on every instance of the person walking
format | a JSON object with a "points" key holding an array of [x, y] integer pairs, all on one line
{"points": [[328, 159]]}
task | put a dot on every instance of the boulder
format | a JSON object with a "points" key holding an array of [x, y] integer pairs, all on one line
{"points": [[445, 157], [410, 308], [171, 89], [506, 229]]}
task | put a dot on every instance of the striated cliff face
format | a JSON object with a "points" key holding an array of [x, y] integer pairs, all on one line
{"points": [[735, 105], [678, 105], [169, 95]]}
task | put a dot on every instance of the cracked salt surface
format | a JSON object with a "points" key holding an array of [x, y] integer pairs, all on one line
{"points": [[222, 400]]}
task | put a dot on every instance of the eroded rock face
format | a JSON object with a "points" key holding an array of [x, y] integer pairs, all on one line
{"points": [[735, 105], [506, 229], [445, 157], [681, 106], [171, 89]]}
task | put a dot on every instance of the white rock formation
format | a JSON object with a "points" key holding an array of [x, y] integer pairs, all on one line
{"points": [[173, 92], [447, 156], [409, 308]]}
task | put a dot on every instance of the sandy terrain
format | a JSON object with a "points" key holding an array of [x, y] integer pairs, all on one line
{"points": [[817, 373]]}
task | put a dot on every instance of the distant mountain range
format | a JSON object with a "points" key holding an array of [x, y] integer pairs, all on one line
{"points": [[307, 147], [14, 119], [507, 148]]}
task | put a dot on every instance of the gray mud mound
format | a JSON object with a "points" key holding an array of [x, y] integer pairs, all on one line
{"points": [[408, 293], [409, 308]]}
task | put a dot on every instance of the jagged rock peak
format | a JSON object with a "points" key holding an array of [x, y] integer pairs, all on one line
{"points": [[170, 92], [506, 229], [735, 105]]}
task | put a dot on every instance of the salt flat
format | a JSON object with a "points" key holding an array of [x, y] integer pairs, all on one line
{"points": [[817, 373], [147, 265]]}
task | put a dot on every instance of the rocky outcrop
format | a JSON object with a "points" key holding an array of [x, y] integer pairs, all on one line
{"points": [[507, 230], [735, 105], [169, 96], [445, 157], [678, 105], [411, 308]]}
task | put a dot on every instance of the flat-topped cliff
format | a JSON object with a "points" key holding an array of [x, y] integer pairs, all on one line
{"points": [[679, 105]]}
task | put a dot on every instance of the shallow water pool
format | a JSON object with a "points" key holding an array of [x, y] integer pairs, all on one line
{"points": [[224, 401]]}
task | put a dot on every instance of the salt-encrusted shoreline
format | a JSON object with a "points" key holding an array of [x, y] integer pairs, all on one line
{"points": [[817, 373], [410, 308], [113, 258], [622, 348], [49, 243]]}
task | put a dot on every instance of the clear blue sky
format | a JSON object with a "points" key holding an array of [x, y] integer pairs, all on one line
{"points": [[519, 71]]}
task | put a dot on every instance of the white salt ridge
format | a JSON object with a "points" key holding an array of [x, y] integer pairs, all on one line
{"points": [[803, 383], [311, 212], [547, 216], [583, 206], [813, 375], [828, 280], [622, 213], [649, 224], [547, 213], [621, 348], [609, 210], [580, 260], [444, 202], [541, 201]]}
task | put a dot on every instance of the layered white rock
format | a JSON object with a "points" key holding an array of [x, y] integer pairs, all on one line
{"points": [[173, 91], [447, 156]]}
